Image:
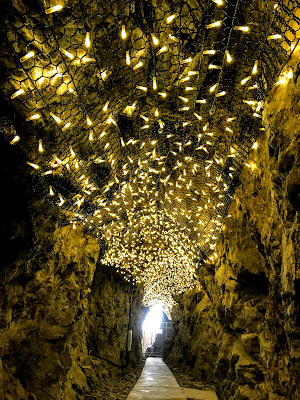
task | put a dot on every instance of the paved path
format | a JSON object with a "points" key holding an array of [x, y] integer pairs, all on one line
{"points": [[156, 383]]}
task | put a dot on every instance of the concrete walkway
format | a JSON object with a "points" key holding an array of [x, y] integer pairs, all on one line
{"points": [[156, 382]]}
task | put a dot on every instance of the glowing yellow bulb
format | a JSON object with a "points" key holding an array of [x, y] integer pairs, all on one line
{"points": [[88, 121], [15, 139], [187, 60], [144, 118], [212, 66], [105, 107], [255, 66], [245, 80], [162, 94], [155, 40], [154, 83], [35, 166], [127, 58], [171, 18], [41, 149], [123, 33], [53, 9], [87, 40], [35, 116], [228, 56], [138, 65], [209, 52], [214, 24], [242, 28], [183, 99], [17, 93], [143, 88], [51, 192], [65, 127], [274, 37], [218, 2], [213, 88], [88, 59], [91, 137], [27, 56], [173, 38], [156, 113], [162, 50], [255, 145], [198, 116], [57, 119], [67, 53]]}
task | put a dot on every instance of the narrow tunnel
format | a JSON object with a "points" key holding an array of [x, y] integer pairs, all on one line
{"points": [[150, 175]]}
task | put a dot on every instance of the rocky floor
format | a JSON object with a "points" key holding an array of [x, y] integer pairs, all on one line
{"points": [[118, 390], [187, 380]]}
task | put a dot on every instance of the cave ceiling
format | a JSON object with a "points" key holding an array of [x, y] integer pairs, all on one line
{"points": [[139, 116]]}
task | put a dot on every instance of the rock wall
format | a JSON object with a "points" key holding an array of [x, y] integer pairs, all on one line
{"points": [[64, 320], [241, 333]]}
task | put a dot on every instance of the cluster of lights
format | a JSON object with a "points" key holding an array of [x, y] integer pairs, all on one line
{"points": [[157, 210]]}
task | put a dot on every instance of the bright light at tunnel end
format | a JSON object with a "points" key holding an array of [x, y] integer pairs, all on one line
{"points": [[153, 319]]}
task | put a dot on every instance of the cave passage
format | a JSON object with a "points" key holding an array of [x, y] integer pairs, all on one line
{"points": [[150, 176]]}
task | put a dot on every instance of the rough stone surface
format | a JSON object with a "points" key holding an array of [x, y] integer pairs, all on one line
{"points": [[242, 332], [64, 317]]}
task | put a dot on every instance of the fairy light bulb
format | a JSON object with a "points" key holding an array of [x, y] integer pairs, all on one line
{"points": [[156, 113], [154, 83], [228, 56], [17, 93], [274, 37], [138, 65], [41, 149], [35, 166], [88, 121], [171, 18], [162, 50], [51, 192], [87, 41], [214, 24], [143, 88], [56, 118], [54, 9], [27, 56], [213, 88], [255, 67], [105, 107], [15, 139], [209, 52], [242, 28], [162, 94], [33, 117], [245, 80], [123, 33], [155, 40], [127, 58], [212, 66], [67, 53]]}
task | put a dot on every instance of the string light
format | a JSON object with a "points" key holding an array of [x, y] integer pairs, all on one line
{"points": [[27, 56], [123, 33], [158, 206], [87, 41], [171, 18], [54, 9]]}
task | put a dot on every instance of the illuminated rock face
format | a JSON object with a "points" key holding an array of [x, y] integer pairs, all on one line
{"points": [[242, 333], [64, 319]]}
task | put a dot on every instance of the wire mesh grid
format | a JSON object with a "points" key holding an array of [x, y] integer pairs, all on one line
{"points": [[140, 115]]}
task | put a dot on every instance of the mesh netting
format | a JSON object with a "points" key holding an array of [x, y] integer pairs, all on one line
{"points": [[140, 115]]}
